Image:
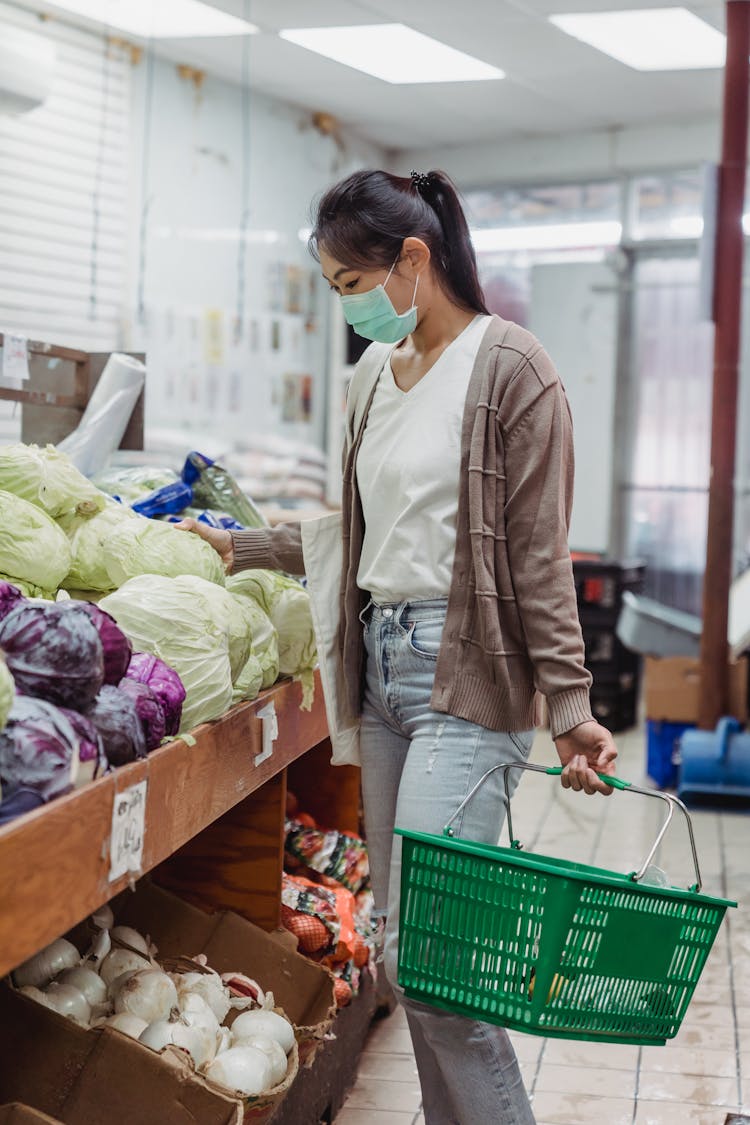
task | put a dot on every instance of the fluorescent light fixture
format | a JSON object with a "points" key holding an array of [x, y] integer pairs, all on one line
{"points": [[219, 234], [649, 38], [553, 236], [159, 19], [392, 52]]}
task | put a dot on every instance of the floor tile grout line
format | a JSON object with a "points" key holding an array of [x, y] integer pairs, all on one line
{"points": [[637, 1084], [534, 1080], [730, 958]]}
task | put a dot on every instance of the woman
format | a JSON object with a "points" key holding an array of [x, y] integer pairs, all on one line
{"points": [[457, 590]]}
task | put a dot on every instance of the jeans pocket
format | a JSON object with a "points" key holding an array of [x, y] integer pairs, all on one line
{"points": [[423, 637], [523, 740]]}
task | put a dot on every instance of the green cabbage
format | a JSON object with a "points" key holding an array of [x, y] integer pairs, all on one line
{"points": [[7, 692], [224, 608], [48, 479], [142, 546], [193, 626], [28, 589], [88, 537], [288, 606], [32, 547], [133, 483], [264, 643], [250, 680]]}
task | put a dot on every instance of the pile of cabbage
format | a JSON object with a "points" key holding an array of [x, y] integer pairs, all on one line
{"points": [[225, 638], [75, 700], [58, 531]]}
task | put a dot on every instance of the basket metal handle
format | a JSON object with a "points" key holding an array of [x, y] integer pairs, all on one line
{"points": [[616, 783]]}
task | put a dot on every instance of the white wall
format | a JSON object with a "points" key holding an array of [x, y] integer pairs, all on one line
{"points": [[186, 162], [571, 156]]}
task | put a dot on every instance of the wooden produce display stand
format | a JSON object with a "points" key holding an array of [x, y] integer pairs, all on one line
{"points": [[204, 813]]}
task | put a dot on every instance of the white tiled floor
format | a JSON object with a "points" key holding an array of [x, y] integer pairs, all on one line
{"points": [[699, 1077]]}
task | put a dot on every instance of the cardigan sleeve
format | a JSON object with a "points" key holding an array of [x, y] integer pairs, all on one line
{"points": [[269, 548], [539, 468]]}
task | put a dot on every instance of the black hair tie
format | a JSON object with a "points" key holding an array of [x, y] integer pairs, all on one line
{"points": [[421, 180]]}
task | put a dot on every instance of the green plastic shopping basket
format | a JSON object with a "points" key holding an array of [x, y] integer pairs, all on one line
{"points": [[548, 946]]}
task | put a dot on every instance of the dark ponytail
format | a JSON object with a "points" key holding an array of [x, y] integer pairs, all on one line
{"points": [[363, 220]]}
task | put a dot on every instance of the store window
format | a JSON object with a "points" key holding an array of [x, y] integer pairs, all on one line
{"points": [[517, 228]]}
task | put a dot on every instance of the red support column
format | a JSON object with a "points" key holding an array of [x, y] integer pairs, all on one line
{"points": [[727, 316]]}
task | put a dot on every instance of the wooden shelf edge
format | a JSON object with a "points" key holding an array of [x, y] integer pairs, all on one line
{"points": [[55, 861]]}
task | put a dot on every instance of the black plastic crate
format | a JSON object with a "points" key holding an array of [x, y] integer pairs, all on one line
{"points": [[600, 584], [614, 707], [606, 655]]}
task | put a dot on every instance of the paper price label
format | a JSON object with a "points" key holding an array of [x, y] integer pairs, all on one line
{"points": [[15, 357], [128, 829]]}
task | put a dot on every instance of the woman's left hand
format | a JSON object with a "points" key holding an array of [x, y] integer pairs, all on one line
{"points": [[584, 752]]}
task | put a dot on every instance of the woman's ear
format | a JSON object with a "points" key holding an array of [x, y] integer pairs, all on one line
{"points": [[416, 253]]}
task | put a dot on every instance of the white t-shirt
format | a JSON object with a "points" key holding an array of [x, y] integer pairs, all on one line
{"points": [[407, 474]]}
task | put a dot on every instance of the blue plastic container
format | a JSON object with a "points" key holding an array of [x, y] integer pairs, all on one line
{"points": [[662, 746], [715, 763]]}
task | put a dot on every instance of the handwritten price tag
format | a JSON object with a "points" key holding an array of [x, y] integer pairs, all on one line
{"points": [[128, 828], [15, 358]]}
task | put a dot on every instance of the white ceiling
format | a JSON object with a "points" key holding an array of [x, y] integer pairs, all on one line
{"points": [[554, 83]]}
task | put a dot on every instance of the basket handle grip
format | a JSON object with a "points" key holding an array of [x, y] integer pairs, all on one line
{"points": [[616, 783]]}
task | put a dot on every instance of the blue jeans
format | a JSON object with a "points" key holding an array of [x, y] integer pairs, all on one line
{"points": [[417, 766]]}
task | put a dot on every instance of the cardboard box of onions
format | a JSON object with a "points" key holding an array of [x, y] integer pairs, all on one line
{"points": [[202, 1053]]}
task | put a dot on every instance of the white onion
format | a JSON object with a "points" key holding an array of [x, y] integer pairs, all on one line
{"points": [[43, 966], [99, 951], [88, 983], [149, 994], [207, 985], [273, 1051], [162, 1033], [127, 1024], [267, 1024], [103, 918], [37, 995], [130, 937], [69, 1001], [121, 961], [225, 1040], [245, 1069], [197, 1013]]}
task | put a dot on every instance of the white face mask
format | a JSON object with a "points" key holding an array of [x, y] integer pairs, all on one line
{"points": [[373, 316]]}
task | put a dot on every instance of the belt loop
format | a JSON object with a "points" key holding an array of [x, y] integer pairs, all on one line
{"points": [[368, 607]]}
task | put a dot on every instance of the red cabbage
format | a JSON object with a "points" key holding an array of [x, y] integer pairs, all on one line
{"points": [[10, 598], [53, 654], [164, 683], [20, 801], [38, 749], [117, 647], [90, 747], [149, 709], [114, 715]]}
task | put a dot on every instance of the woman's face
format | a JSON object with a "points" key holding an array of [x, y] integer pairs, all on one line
{"points": [[345, 279]]}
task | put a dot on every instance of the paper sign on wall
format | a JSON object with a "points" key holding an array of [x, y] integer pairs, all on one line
{"points": [[128, 830], [15, 357]]}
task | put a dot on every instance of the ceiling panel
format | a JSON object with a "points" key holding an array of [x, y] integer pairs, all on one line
{"points": [[555, 83]]}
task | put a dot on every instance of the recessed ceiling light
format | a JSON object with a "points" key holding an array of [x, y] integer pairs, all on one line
{"points": [[159, 19], [649, 38], [393, 52]]}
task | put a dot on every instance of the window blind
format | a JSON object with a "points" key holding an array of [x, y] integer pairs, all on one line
{"points": [[63, 194]]}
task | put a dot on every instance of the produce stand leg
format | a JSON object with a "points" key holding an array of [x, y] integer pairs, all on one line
{"points": [[236, 863], [317, 1093]]}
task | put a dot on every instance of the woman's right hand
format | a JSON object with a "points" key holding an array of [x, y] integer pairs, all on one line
{"points": [[220, 540]]}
